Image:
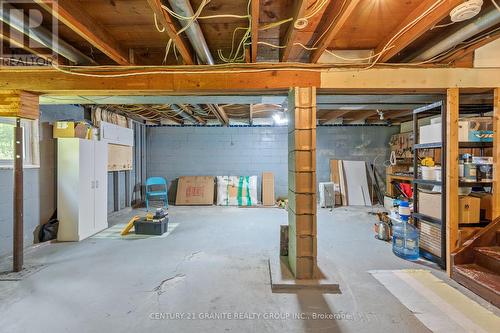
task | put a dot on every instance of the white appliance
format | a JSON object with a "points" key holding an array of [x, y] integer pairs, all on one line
{"points": [[82, 188]]}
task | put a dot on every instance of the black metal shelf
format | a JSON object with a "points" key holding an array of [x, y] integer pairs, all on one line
{"points": [[427, 145], [475, 144], [440, 109], [427, 218], [429, 256], [427, 182], [475, 184]]}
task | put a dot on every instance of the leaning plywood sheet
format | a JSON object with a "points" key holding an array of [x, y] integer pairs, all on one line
{"points": [[358, 193], [343, 186]]}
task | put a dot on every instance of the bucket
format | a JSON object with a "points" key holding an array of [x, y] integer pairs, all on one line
{"points": [[428, 173]]}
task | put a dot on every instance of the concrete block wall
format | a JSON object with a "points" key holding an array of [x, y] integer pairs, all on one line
{"points": [[219, 151], [356, 143], [215, 151]]}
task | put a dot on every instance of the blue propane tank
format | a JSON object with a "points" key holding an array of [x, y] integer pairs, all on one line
{"points": [[405, 236]]}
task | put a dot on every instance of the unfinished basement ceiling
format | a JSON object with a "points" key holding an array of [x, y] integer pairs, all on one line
{"points": [[346, 31], [332, 109]]}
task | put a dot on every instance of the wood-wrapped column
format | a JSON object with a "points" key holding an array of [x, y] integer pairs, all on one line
{"points": [[302, 244]]}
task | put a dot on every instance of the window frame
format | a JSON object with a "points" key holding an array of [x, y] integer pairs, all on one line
{"points": [[30, 142]]}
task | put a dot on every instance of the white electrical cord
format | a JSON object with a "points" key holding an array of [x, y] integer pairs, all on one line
{"points": [[496, 5]]}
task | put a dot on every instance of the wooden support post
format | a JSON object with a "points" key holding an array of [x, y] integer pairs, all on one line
{"points": [[452, 114], [302, 252], [496, 155], [18, 198]]}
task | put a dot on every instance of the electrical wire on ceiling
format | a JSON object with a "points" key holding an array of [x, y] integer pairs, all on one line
{"points": [[496, 5]]}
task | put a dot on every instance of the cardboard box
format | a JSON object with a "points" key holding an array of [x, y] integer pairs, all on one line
{"points": [[429, 203], [480, 129], [468, 209], [486, 205], [268, 189], [71, 129], [195, 190]]}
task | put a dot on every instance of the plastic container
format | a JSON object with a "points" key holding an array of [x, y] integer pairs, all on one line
{"points": [[404, 210], [143, 227], [437, 175], [405, 240], [428, 173]]}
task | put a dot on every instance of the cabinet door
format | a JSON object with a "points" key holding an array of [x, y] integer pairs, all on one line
{"points": [[101, 185], [87, 184]]}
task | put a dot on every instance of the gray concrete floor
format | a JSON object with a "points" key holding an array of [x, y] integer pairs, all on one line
{"points": [[215, 262]]}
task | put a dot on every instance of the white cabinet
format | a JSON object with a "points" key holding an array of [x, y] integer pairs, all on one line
{"points": [[82, 188]]}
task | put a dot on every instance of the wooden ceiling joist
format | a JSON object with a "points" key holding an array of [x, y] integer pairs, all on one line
{"points": [[220, 113], [333, 115], [359, 116], [389, 115], [254, 11], [345, 12], [71, 14], [15, 41], [291, 34], [394, 46], [167, 22]]}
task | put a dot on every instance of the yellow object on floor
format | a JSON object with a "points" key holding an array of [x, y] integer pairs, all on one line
{"points": [[129, 226]]}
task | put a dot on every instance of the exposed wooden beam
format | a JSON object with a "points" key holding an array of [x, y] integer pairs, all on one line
{"points": [[222, 114], [438, 13], [72, 14], [168, 23], [335, 27], [255, 10], [52, 80], [333, 115], [397, 114], [250, 115], [432, 79], [15, 41], [291, 34], [192, 114], [454, 56], [141, 81], [358, 116]]}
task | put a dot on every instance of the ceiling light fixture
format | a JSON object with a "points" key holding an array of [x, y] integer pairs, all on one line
{"points": [[466, 10], [381, 114]]}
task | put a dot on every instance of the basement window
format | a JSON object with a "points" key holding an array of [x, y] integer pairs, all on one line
{"points": [[30, 140]]}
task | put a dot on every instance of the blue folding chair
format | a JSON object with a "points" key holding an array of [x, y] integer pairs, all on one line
{"points": [[156, 187]]}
